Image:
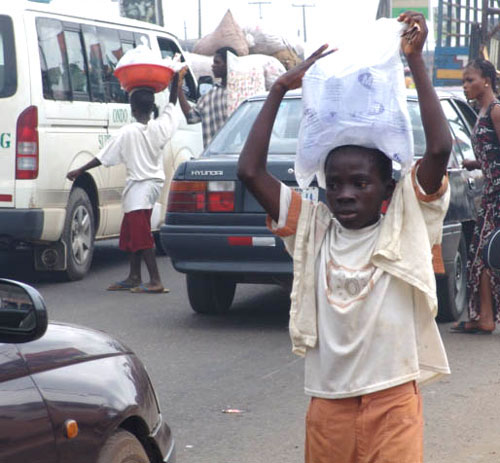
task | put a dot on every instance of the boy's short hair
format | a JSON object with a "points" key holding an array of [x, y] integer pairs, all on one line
{"points": [[143, 100], [383, 163]]}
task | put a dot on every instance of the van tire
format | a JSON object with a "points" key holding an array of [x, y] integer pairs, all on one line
{"points": [[122, 447], [78, 235], [209, 293], [452, 289]]}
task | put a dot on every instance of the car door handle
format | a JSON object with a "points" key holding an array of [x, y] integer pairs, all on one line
{"points": [[472, 183]]}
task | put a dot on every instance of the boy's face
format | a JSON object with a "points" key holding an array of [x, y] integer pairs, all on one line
{"points": [[354, 188]]}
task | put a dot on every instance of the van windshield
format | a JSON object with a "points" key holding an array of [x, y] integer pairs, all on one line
{"points": [[8, 70]]}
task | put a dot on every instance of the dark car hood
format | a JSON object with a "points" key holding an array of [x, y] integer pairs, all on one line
{"points": [[65, 344]]}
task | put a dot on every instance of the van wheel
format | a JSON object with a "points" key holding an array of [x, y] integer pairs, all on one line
{"points": [[78, 235], [452, 289], [122, 447], [209, 294]]}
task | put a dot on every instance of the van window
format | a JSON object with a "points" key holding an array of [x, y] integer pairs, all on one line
{"points": [[112, 51], [93, 53], [76, 65], [52, 47], [169, 49], [8, 72]]}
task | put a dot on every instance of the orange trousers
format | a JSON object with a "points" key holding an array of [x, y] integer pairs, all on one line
{"points": [[382, 427]]}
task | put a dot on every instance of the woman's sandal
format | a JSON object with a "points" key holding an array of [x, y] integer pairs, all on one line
{"points": [[468, 328]]}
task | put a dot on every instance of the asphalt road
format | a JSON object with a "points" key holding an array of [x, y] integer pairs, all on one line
{"points": [[204, 365]]}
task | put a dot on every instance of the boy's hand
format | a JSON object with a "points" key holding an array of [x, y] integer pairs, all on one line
{"points": [[182, 74], [413, 38], [72, 175], [293, 78]]}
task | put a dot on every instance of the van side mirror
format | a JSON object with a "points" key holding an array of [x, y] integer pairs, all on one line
{"points": [[205, 84], [23, 316]]}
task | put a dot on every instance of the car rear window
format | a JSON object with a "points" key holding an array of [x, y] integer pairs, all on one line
{"points": [[8, 70], [232, 136]]}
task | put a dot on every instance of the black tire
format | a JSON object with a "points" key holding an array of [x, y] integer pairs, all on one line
{"points": [[452, 289], [210, 294], [122, 447], [78, 235]]}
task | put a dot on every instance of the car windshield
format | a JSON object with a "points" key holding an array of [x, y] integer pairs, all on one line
{"points": [[232, 136], [8, 73]]}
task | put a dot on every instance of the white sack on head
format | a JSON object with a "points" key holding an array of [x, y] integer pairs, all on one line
{"points": [[356, 96]]}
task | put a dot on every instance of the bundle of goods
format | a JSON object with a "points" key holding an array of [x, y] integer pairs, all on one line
{"points": [[356, 96], [244, 79], [270, 66], [227, 34], [263, 41], [141, 67]]}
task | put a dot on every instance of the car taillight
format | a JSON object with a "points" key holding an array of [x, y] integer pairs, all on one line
{"points": [[27, 144], [211, 196]]}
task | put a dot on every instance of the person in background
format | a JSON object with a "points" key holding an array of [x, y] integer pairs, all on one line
{"points": [[139, 147], [362, 309], [483, 285], [211, 108]]}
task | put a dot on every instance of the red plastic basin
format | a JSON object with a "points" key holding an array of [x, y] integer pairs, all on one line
{"points": [[144, 75]]}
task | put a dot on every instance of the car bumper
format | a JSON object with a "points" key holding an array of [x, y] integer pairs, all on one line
{"points": [[162, 436], [21, 224], [248, 254]]}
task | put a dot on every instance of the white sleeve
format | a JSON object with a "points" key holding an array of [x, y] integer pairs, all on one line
{"points": [[111, 154], [166, 123]]}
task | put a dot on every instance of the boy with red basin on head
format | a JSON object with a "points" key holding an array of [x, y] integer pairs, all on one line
{"points": [[139, 147], [363, 295]]}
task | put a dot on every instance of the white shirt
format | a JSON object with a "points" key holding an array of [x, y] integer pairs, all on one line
{"points": [[366, 329], [363, 303], [140, 147]]}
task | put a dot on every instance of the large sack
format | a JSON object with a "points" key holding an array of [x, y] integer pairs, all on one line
{"points": [[270, 66], [227, 34], [356, 96], [245, 78], [263, 42], [288, 57], [201, 65]]}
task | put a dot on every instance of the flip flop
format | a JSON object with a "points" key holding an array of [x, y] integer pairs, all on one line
{"points": [[464, 327], [143, 289], [121, 286]]}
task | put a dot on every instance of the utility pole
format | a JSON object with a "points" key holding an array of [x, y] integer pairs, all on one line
{"points": [[260, 6], [199, 19], [304, 6]]}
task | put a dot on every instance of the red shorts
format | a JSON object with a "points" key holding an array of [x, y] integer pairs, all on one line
{"points": [[135, 233]]}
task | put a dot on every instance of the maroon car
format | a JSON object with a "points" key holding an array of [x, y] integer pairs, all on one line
{"points": [[71, 394]]}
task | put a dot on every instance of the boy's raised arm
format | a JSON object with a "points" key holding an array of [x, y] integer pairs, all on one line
{"points": [[437, 133], [252, 169]]}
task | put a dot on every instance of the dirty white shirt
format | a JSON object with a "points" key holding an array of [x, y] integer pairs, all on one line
{"points": [[140, 148], [364, 322]]}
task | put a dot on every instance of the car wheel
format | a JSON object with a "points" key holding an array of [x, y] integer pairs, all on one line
{"points": [[78, 235], [123, 447], [210, 294], [452, 289]]}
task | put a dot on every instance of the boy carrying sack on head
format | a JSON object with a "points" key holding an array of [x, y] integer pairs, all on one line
{"points": [[363, 296]]}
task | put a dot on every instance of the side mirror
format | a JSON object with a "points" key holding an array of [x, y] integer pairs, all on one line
{"points": [[23, 316], [205, 84]]}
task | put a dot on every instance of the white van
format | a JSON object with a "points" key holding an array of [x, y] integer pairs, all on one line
{"points": [[60, 104]]}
